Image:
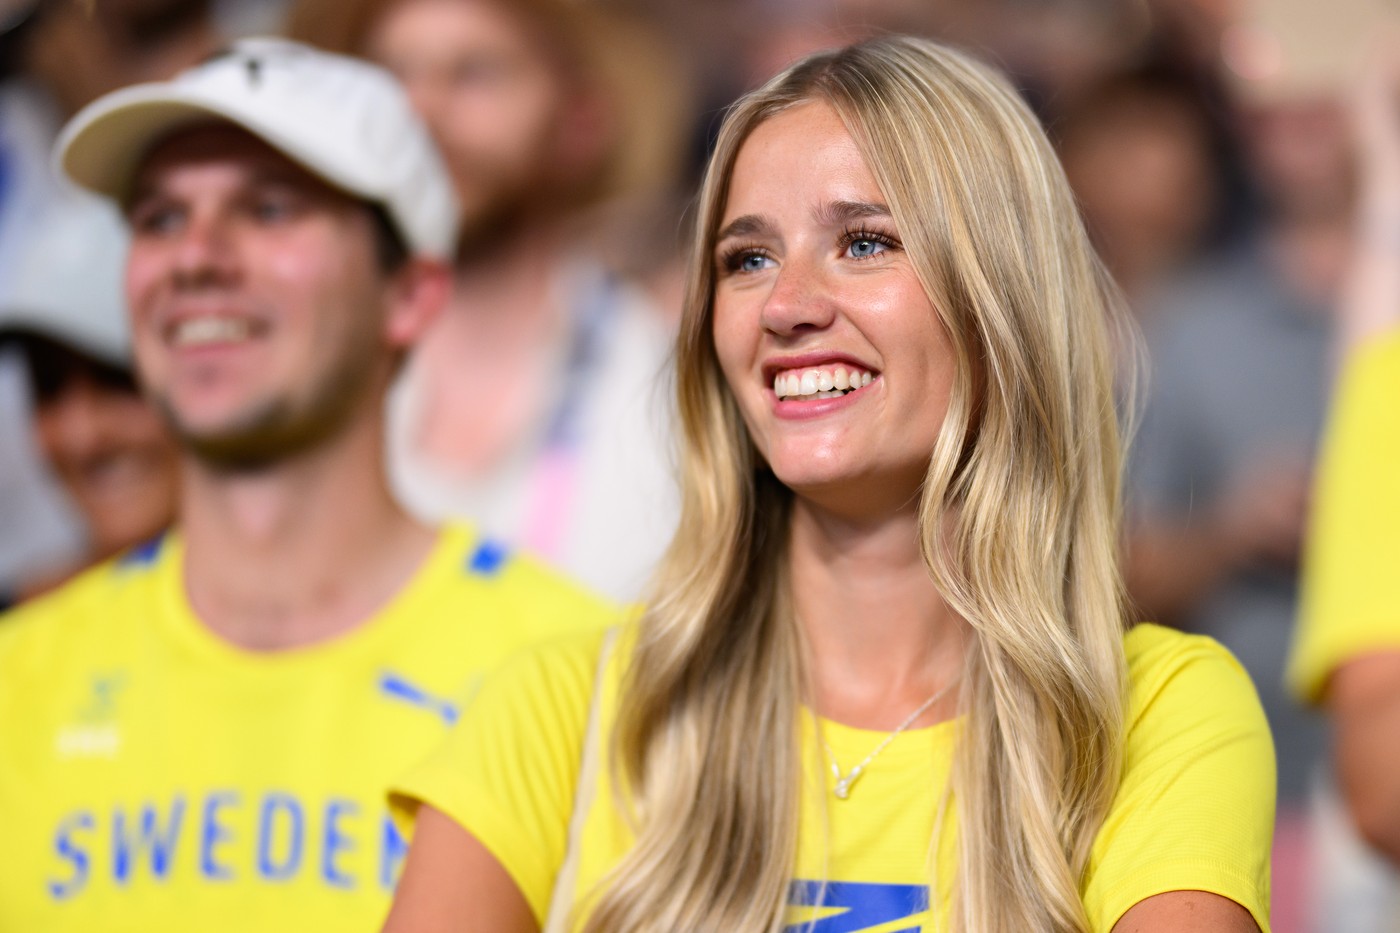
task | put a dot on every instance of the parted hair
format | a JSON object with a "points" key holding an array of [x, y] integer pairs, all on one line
{"points": [[1019, 517]]}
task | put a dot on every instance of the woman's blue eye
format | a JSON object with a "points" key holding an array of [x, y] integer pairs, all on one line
{"points": [[744, 259], [864, 247]]}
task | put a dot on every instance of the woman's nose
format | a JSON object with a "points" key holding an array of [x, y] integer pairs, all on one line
{"points": [[801, 300]]}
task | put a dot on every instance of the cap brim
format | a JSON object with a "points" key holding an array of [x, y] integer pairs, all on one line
{"points": [[20, 329], [104, 145]]}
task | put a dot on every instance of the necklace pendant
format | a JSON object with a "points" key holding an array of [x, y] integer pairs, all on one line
{"points": [[842, 790]]}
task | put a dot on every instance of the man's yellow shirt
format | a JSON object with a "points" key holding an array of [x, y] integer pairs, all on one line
{"points": [[154, 777]]}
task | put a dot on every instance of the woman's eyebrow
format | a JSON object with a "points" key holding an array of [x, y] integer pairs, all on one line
{"points": [[747, 225], [836, 213]]}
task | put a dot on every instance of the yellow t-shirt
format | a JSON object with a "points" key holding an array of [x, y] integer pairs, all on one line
{"points": [[1350, 600], [1194, 810], [154, 777]]}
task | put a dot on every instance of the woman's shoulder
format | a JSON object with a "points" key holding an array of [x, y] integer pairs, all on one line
{"points": [[1173, 668], [1157, 654], [1152, 643], [530, 713], [559, 673], [1194, 805]]}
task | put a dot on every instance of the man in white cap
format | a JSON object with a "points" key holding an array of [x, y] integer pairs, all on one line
{"points": [[199, 735], [102, 441]]}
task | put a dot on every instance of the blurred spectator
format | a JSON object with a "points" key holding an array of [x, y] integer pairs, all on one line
{"points": [[1139, 152], [535, 406], [105, 444], [1222, 465], [60, 54], [1347, 653]]}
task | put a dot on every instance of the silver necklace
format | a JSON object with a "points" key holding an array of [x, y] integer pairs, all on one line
{"points": [[842, 788]]}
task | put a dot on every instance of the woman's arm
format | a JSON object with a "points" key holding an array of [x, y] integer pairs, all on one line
{"points": [[452, 884], [1186, 912]]}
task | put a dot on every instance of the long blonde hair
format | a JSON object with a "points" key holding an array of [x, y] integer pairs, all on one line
{"points": [[1018, 521]]}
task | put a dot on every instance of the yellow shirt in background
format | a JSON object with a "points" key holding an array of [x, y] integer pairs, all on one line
{"points": [[1351, 580], [155, 778], [1194, 809]]}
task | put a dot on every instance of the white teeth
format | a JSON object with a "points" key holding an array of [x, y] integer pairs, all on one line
{"points": [[205, 330], [819, 383]]}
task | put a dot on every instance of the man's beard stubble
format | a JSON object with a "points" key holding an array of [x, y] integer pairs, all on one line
{"points": [[280, 429]]}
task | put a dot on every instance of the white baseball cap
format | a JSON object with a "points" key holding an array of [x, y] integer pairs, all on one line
{"points": [[343, 119], [67, 284]]}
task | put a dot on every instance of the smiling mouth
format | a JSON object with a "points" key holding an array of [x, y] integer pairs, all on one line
{"points": [[209, 330], [818, 383]]}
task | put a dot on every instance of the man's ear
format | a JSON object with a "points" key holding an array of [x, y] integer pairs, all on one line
{"points": [[416, 294]]}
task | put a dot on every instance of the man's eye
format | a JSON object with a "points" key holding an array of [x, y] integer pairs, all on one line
{"points": [[478, 71], [273, 210], [155, 219]]}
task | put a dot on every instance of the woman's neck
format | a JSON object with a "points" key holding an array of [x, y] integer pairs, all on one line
{"points": [[880, 637]]}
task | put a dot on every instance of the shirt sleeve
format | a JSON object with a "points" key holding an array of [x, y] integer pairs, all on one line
{"points": [[508, 769], [1195, 805], [1350, 600]]}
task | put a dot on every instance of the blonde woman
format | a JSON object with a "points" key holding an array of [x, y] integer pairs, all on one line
{"points": [[884, 683]]}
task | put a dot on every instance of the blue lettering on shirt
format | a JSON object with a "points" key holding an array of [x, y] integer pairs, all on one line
{"points": [[149, 836], [337, 841], [187, 837], [393, 847], [862, 905], [215, 835], [70, 850], [488, 559], [293, 818]]}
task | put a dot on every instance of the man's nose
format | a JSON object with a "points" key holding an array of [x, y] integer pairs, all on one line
{"points": [[204, 251]]}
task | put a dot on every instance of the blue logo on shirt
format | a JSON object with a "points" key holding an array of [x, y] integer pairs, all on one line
{"points": [[142, 555], [488, 558], [849, 907], [398, 688]]}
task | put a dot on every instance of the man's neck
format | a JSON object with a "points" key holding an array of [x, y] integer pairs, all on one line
{"points": [[300, 551], [512, 284]]}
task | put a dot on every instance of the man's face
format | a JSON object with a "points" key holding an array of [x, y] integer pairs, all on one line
{"points": [[488, 90], [257, 303]]}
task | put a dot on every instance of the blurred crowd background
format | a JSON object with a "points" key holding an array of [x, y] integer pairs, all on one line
{"points": [[1217, 185]]}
